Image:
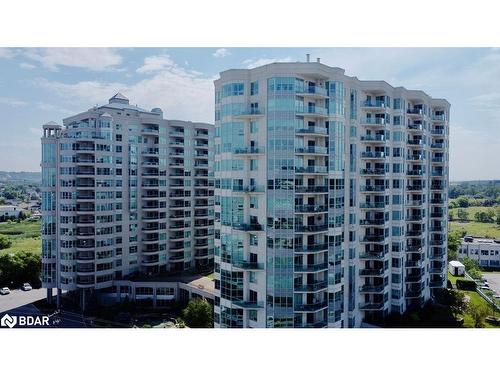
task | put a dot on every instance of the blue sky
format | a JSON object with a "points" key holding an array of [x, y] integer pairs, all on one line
{"points": [[39, 85]]}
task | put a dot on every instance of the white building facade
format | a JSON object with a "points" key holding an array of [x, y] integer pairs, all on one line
{"points": [[330, 197], [486, 251], [126, 193]]}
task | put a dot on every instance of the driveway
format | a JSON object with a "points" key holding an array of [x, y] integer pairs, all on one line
{"points": [[18, 298]]}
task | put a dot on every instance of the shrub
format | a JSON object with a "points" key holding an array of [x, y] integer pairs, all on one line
{"points": [[198, 314], [466, 284], [5, 242]]}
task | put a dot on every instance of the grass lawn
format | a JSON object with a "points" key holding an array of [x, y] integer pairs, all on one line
{"points": [[488, 230], [211, 276], [453, 279], [477, 299], [473, 209], [24, 235]]}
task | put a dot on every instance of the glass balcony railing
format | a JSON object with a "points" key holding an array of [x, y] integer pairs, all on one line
{"points": [[415, 111], [311, 90], [307, 307], [311, 169], [248, 150], [310, 208], [371, 306], [372, 188], [372, 171], [311, 228], [312, 130], [372, 205], [311, 267], [373, 138], [311, 111], [373, 154], [311, 150], [311, 189]]}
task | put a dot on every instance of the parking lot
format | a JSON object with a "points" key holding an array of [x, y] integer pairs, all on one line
{"points": [[18, 298], [493, 280]]}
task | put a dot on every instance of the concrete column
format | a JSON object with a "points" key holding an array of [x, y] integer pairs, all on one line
{"points": [[49, 296]]}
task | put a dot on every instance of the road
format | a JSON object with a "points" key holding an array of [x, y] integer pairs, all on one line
{"points": [[18, 298], [493, 280]]}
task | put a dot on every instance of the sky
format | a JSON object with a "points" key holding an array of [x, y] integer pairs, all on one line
{"points": [[38, 85]]}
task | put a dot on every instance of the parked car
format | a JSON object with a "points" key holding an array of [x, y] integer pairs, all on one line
{"points": [[4, 291], [26, 287]]}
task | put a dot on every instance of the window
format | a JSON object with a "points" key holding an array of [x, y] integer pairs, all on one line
{"points": [[254, 88], [254, 127], [252, 315], [254, 165], [254, 202]]}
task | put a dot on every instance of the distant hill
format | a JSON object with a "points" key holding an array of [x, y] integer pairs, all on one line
{"points": [[20, 176]]}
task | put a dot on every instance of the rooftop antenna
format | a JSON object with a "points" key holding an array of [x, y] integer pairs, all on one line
{"points": [[308, 57]]}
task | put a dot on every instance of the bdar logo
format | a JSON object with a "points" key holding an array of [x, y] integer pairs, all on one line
{"points": [[8, 321]]}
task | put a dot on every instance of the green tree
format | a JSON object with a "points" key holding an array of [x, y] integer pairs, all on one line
{"points": [[198, 314], [456, 300], [451, 215], [462, 215], [498, 218], [472, 267], [5, 242], [19, 268], [453, 242], [463, 202], [478, 312]]}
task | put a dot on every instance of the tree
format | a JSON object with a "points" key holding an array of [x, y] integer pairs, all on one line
{"points": [[463, 202], [451, 215], [198, 314], [498, 218], [462, 215], [453, 242], [5, 242], [20, 267], [478, 312], [472, 267], [456, 301]]}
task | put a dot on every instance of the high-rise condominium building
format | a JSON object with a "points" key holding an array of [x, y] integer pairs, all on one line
{"points": [[330, 197], [125, 193]]}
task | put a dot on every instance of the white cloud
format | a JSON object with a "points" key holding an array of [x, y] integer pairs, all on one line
{"points": [[96, 59], [182, 94], [25, 65], [12, 102], [155, 63], [6, 53], [221, 52], [254, 63]]}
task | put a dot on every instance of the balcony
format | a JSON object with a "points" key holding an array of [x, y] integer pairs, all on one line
{"points": [[438, 132], [248, 151], [312, 92], [415, 127], [415, 157], [311, 208], [311, 287], [248, 189], [373, 238], [373, 138], [317, 267], [437, 201], [413, 264], [311, 170], [437, 145], [250, 113], [372, 172], [369, 289], [414, 233], [413, 278], [373, 121], [249, 227], [311, 189], [311, 150], [374, 104], [372, 222], [312, 130], [415, 173], [415, 218], [310, 307], [415, 142], [438, 118], [415, 111], [372, 188], [414, 249], [372, 255], [373, 155], [372, 306], [437, 160], [414, 188], [152, 131], [413, 203], [436, 284], [311, 228], [248, 304], [437, 187], [318, 112], [312, 248], [249, 266], [372, 205]]}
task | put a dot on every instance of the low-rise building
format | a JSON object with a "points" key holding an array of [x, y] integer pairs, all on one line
{"points": [[10, 212], [486, 251]]}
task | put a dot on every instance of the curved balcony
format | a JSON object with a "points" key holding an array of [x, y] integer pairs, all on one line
{"points": [[311, 150], [312, 92], [311, 209], [413, 264], [371, 289], [418, 128], [311, 228], [248, 151], [415, 158], [415, 142], [414, 249], [379, 138], [373, 222], [312, 131], [311, 268], [311, 307], [312, 248], [311, 287], [375, 105], [373, 155], [313, 112], [250, 113], [371, 306], [311, 170], [311, 189]]}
